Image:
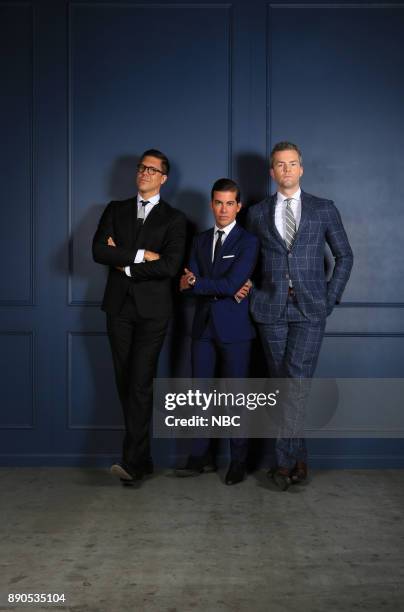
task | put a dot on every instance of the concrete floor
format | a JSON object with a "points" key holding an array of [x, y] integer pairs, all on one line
{"points": [[186, 545]]}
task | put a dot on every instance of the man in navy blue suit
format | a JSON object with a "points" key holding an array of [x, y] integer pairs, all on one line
{"points": [[221, 262], [291, 298]]}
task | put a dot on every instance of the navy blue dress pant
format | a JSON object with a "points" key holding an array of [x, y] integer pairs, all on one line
{"points": [[233, 359]]}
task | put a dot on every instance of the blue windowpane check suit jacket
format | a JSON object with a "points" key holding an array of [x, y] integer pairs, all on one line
{"points": [[304, 265], [216, 284]]}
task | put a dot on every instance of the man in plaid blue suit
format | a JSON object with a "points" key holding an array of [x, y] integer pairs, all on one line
{"points": [[291, 299]]}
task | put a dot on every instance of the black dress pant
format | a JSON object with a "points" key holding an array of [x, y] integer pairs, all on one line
{"points": [[136, 343]]}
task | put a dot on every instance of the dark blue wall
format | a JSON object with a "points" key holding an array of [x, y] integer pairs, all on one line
{"points": [[86, 86]]}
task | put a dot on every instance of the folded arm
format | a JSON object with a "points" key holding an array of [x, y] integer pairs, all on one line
{"points": [[237, 275], [171, 254], [104, 253]]}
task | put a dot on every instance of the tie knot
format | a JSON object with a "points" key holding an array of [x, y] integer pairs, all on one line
{"points": [[288, 201], [220, 234], [144, 202]]}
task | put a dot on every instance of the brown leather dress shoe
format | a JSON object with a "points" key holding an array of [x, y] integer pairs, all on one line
{"points": [[299, 474]]}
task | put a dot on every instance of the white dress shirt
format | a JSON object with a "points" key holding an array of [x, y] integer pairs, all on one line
{"points": [[139, 258], [226, 231], [280, 210]]}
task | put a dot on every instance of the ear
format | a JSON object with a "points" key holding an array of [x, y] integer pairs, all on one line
{"points": [[239, 207], [164, 177], [301, 170], [271, 172]]}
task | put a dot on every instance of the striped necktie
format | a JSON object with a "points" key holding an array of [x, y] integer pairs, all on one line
{"points": [[290, 225]]}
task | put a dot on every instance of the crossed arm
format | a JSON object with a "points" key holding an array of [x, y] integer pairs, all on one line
{"points": [[156, 265], [227, 285]]}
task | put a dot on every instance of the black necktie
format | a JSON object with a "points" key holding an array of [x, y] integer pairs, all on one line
{"points": [[141, 213], [218, 245], [139, 220]]}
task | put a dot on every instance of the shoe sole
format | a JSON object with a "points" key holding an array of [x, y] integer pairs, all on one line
{"points": [[231, 483], [185, 473], [120, 472]]}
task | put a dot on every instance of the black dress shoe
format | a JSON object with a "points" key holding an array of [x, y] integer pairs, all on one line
{"points": [[236, 473], [195, 466], [281, 478]]}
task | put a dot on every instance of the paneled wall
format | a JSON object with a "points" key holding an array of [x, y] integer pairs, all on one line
{"points": [[86, 87]]}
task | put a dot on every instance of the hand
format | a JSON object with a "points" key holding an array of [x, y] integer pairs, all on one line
{"points": [[243, 291], [151, 256], [120, 268], [187, 280]]}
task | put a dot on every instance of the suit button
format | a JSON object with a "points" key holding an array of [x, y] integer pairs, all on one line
{"points": [[287, 276], [290, 255]]}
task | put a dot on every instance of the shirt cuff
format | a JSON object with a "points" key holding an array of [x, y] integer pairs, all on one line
{"points": [[139, 256], [127, 271]]}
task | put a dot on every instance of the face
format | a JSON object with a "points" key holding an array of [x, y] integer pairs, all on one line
{"points": [[225, 207], [150, 184], [287, 170]]}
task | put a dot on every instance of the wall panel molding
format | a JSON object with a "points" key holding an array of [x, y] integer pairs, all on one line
{"points": [[31, 204], [32, 376]]}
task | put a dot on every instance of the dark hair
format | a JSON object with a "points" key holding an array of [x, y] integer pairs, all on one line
{"points": [[226, 184], [165, 164], [285, 146]]}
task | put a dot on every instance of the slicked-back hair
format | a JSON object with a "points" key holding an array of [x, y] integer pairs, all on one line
{"points": [[285, 146], [165, 164], [226, 184]]}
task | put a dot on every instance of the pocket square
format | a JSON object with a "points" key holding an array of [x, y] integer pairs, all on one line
{"points": [[227, 256]]}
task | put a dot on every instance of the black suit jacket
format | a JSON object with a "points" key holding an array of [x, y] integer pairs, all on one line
{"points": [[164, 232]]}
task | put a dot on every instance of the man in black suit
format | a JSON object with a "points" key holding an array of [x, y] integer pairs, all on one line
{"points": [[142, 240]]}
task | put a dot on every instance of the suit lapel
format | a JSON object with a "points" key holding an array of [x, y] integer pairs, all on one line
{"points": [[141, 231], [228, 245], [207, 249], [154, 215], [272, 224], [305, 214], [230, 240], [129, 221]]}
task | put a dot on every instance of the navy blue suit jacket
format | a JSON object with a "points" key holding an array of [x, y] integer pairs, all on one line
{"points": [[217, 283], [320, 223]]}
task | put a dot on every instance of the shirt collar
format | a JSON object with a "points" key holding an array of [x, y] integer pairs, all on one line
{"points": [[226, 229], [153, 200], [280, 198]]}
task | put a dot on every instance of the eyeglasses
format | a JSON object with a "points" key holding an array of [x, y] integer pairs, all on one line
{"points": [[149, 169]]}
